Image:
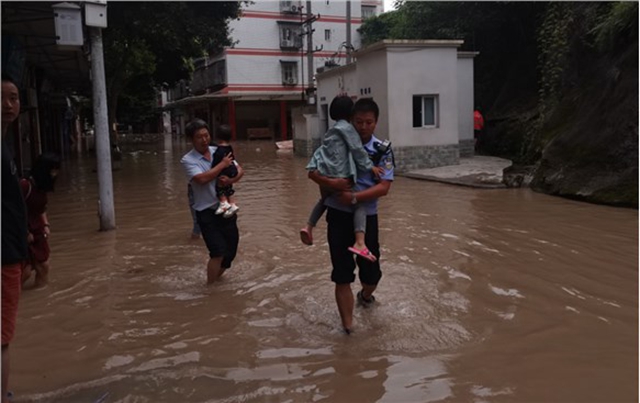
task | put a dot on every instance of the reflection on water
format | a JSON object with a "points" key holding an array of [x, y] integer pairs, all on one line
{"points": [[487, 296]]}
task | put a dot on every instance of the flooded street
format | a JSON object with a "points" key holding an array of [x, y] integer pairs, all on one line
{"points": [[486, 296]]}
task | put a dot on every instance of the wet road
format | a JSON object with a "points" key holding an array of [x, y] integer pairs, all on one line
{"points": [[487, 296]]}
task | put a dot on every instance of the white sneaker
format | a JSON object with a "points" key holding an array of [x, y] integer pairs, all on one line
{"points": [[231, 211], [224, 206]]}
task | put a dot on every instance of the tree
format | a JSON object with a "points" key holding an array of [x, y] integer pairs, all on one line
{"points": [[156, 41], [503, 32]]}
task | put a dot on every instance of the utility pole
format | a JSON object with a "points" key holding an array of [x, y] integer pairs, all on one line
{"points": [[106, 210], [309, 47], [302, 52], [307, 29], [349, 47]]}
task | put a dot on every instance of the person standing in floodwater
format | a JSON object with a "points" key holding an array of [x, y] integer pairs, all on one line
{"points": [[34, 189], [14, 229], [478, 128], [220, 234], [340, 228]]}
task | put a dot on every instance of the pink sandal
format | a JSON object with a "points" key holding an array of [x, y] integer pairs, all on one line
{"points": [[305, 237], [363, 253]]}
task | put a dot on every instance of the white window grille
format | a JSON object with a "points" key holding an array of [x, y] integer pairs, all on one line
{"points": [[425, 111], [289, 72], [368, 12]]}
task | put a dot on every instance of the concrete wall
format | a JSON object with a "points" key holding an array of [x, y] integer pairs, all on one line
{"points": [[342, 80], [465, 102], [427, 71], [305, 126], [259, 71], [374, 82], [467, 148], [419, 157]]}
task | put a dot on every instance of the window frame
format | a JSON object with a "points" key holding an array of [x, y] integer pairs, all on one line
{"points": [[289, 35], [436, 111], [286, 65], [372, 9]]}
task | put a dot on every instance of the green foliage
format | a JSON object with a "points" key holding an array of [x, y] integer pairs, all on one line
{"points": [[619, 26], [574, 33], [377, 28], [138, 103], [553, 52], [154, 42]]}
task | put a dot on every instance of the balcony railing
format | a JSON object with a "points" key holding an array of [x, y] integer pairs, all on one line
{"points": [[209, 78]]}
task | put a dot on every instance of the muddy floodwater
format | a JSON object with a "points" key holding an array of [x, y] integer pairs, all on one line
{"points": [[486, 296]]}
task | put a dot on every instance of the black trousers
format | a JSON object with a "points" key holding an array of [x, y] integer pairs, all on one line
{"points": [[220, 235], [341, 235]]}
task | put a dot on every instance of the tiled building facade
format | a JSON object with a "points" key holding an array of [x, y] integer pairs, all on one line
{"points": [[254, 84]]}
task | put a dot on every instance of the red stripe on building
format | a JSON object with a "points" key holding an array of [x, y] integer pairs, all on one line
{"points": [[273, 52], [289, 17], [261, 87]]}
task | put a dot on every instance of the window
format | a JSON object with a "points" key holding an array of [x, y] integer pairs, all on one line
{"points": [[290, 35], [290, 7], [327, 35], [368, 11], [289, 72], [425, 111]]}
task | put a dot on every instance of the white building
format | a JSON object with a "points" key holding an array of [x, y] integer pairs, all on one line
{"points": [[424, 89], [254, 84]]}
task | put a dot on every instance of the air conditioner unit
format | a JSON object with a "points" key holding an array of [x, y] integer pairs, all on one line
{"points": [[294, 8], [290, 81], [287, 44]]}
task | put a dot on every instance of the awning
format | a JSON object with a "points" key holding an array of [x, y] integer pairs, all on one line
{"points": [[236, 96], [29, 37]]}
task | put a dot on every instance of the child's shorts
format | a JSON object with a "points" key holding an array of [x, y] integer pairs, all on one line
{"points": [[225, 191]]}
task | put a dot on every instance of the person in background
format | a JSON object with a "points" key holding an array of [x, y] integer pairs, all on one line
{"points": [[14, 229], [34, 190], [478, 128]]}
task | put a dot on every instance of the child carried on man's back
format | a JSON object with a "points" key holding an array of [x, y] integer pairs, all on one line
{"points": [[226, 193], [341, 155]]}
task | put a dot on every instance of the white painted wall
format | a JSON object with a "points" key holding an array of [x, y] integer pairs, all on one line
{"points": [[465, 97], [373, 82], [261, 32], [423, 71], [245, 69], [341, 80], [305, 124]]}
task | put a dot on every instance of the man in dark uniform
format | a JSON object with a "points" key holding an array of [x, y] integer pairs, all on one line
{"points": [[340, 232]]}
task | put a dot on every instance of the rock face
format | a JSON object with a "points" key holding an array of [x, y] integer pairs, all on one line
{"points": [[592, 153], [588, 147], [517, 176]]}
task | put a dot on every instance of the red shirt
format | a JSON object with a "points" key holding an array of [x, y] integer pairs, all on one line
{"points": [[36, 202], [478, 121]]}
